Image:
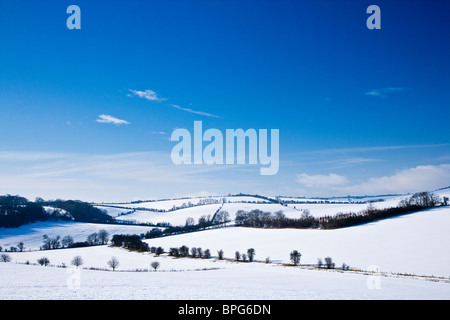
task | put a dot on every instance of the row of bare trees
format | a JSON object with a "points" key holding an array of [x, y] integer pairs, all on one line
{"points": [[95, 238]]}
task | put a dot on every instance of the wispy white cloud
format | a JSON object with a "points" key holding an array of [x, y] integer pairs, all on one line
{"points": [[147, 94], [98, 177], [375, 148], [384, 92], [104, 118], [420, 178], [410, 180], [195, 112], [153, 96], [320, 180]]}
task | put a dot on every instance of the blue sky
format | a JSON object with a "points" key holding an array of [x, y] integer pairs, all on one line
{"points": [[88, 113]]}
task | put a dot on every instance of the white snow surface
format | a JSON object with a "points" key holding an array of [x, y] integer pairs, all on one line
{"points": [[416, 243], [403, 248], [252, 281]]}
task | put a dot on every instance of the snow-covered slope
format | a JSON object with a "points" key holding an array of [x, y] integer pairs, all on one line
{"points": [[416, 243], [175, 218], [31, 234]]}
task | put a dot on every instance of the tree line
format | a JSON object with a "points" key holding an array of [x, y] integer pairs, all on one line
{"points": [[94, 239], [259, 219], [219, 218]]}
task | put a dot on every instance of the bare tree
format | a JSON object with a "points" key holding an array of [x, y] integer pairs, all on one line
{"points": [[113, 263], [55, 243], [103, 236], [295, 257], [159, 251], [237, 255], [220, 254], [77, 261], [251, 254], [20, 246], [222, 217], [189, 222], [67, 241], [155, 265], [329, 263], [46, 244], [306, 214], [184, 251], [92, 239], [319, 262]]}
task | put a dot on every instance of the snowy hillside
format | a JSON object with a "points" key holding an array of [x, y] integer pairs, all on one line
{"points": [[409, 243], [175, 218], [31, 234]]}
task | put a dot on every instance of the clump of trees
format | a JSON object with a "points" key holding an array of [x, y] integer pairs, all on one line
{"points": [[16, 211], [131, 242], [421, 200], [329, 264], [98, 238], [50, 243], [183, 251], [44, 261], [80, 211], [157, 251], [5, 257], [250, 255]]}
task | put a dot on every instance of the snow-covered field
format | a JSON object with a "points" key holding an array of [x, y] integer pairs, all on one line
{"points": [[408, 250], [253, 281], [175, 218], [185, 202]]}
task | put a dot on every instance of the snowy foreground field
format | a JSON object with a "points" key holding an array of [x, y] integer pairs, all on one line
{"points": [[407, 258], [231, 281]]}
